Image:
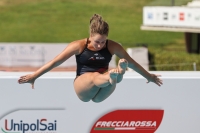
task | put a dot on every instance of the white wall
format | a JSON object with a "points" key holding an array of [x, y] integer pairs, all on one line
{"points": [[54, 99]]}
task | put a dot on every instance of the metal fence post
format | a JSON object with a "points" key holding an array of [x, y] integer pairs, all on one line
{"points": [[173, 2], [194, 66]]}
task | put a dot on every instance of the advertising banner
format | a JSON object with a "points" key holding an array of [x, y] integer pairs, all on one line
{"points": [[188, 17], [35, 54], [134, 107], [13, 55]]}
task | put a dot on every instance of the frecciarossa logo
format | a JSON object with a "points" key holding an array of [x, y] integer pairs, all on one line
{"points": [[40, 125], [129, 121]]}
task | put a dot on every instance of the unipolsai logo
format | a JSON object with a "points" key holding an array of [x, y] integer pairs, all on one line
{"points": [[129, 121], [39, 125]]}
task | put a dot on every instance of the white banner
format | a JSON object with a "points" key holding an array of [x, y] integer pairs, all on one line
{"points": [[22, 55], [53, 106], [172, 16], [32, 54], [35, 54]]}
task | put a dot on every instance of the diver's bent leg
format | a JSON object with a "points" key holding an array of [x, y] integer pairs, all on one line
{"points": [[103, 80], [88, 85], [84, 87], [104, 93]]}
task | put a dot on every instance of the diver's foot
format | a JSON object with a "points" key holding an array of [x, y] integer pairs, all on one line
{"points": [[113, 76], [122, 66]]}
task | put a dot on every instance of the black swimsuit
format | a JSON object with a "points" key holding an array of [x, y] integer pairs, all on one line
{"points": [[93, 61]]}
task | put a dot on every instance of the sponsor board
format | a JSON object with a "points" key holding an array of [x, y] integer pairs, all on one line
{"points": [[23, 121], [171, 16], [129, 121], [134, 107]]}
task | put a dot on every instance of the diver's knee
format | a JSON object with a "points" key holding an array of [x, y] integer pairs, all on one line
{"points": [[96, 100], [84, 99], [119, 79]]}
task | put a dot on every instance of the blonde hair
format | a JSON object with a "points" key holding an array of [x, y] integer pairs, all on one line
{"points": [[98, 25]]}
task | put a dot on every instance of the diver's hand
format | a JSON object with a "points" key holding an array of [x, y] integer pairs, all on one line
{"points": [[27, 79], [154, 78]]}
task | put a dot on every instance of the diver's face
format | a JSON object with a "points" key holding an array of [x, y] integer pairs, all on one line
{"points": [[98, 41]]}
